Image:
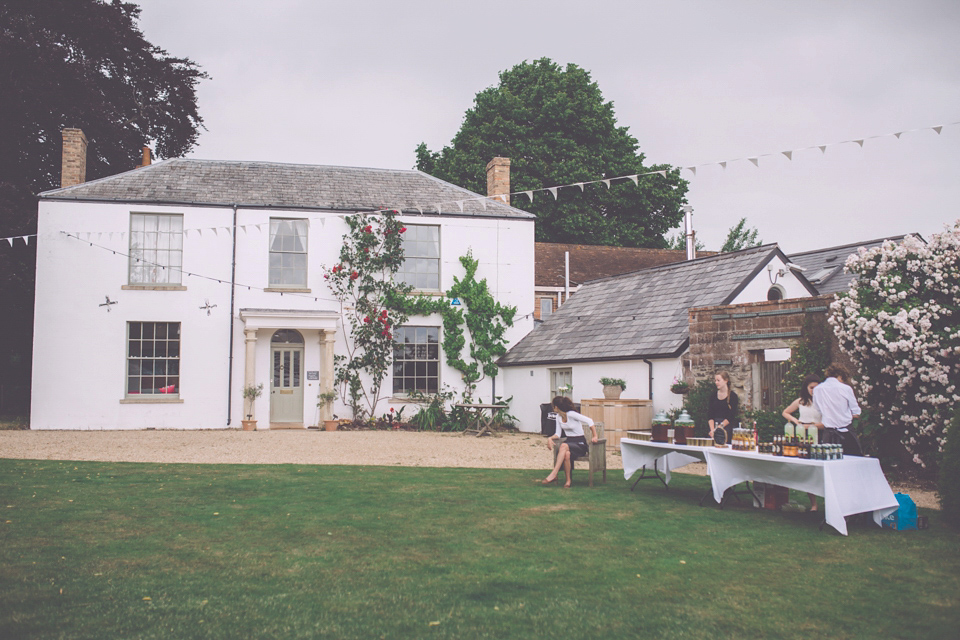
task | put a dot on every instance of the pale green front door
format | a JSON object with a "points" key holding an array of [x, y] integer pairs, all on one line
{"points": [[286, 384]]}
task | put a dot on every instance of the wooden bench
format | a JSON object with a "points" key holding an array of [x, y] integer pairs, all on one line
{"points": [[596, 456]]}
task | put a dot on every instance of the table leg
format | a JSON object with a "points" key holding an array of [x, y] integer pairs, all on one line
{"points": [[644, 476]]}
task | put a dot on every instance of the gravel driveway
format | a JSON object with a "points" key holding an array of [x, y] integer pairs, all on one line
{"points": [[389, 448]]}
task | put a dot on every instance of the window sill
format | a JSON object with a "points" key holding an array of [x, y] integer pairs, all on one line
{"points": [[286, 290], [153, 287], [151, 400], [437, 293]]}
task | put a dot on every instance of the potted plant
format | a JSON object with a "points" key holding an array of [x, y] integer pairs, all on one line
{"points": [[612, 387], [679, 387], [250, 394], [326, 399]]}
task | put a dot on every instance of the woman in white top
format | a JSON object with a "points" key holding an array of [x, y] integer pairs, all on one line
{"points": [[809, 416], [569, 424]]}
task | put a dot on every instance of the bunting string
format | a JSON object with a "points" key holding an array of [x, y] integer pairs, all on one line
{"points": [[530, 194]]}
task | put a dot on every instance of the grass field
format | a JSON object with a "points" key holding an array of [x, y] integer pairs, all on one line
{"points": [[121, 550]]}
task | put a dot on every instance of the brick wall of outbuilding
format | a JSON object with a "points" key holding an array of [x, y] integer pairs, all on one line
{"points": [[733, 338]]}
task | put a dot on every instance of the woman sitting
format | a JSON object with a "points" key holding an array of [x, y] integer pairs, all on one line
{"points": [[569, 424]]}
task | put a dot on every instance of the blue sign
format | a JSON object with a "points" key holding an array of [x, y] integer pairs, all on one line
{"points": [[455, 302]]}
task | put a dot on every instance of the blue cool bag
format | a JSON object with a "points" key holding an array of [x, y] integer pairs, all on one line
{"points": [[905, 517]]}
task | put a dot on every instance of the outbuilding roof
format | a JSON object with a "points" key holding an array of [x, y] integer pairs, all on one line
{"points": [[824, 267], [286, 186], [641, 314]]}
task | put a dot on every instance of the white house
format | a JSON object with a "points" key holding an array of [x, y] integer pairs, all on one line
{"points": [[163, 291], [635, 327]]}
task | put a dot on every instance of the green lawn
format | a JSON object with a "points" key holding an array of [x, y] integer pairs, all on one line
{"points": [[121, 550]]}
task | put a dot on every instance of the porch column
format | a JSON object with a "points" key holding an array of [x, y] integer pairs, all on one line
{"points": [[327, 339], [250, 368]]}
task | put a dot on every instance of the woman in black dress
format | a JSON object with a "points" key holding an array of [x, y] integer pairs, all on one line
{"points": [[724, 410], [570, 424]]}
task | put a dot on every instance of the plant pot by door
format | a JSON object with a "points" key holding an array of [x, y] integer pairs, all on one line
{"points": [[249, 425], [331, 425], [612, 391]]}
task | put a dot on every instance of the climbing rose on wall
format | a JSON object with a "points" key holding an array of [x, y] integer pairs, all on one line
{"points": [[900, 323]]}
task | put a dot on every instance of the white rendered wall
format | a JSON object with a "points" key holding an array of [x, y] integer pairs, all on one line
{"points": [[756, 290], [530, 385], [79, 367]]}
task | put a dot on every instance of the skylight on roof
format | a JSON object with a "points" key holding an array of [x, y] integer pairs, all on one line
{"points": [[822, 275]]}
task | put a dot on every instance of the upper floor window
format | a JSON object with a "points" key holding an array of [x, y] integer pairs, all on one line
{"points": [[421, 250], [156, 248], [153, 358], [288, 253]]}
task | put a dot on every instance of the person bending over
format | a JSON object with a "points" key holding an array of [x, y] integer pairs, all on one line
{"points": [[569, 424], [837, 405]]}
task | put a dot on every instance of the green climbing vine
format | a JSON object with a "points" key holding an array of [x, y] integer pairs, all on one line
{"points": [[486, 320]]}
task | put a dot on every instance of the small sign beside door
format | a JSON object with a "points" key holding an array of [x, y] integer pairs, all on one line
{"points": [[313, 375]]}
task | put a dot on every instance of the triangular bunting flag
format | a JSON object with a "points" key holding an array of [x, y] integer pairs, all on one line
{"points": [[200, 232], [662, 173], [693, 170], [606, 182], [724, 165], [10, 240], [636, 181], [898, 134], [553, 190], [259, 227], [937, 129], [186, 233], [823, 148], [579, 184], [420, 209], [755, 161], [460, 204], [214, 229], [859, 142], [26, 240], [529, 195], [789, 154]]}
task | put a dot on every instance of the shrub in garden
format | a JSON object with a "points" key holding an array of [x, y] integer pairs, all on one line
{"points": [[900, 322], [950, 472]]}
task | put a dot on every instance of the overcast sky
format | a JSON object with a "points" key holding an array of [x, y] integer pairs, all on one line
{"points": [[361, 83]]}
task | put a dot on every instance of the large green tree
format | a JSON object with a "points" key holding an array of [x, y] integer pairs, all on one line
{"points": [[556, 128], [83, 64]]}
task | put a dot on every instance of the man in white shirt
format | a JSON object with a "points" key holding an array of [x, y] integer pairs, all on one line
{"points": [[837, 405]]}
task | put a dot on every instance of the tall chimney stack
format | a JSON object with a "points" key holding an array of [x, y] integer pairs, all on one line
{"points": [[689, 233], [147, 158], [74, 163], [498, 179]]}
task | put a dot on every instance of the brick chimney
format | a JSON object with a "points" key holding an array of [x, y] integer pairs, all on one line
{"points": [[147, 158], [74, 169], [498, 179]]}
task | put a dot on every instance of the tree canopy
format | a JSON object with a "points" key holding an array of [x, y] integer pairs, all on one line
{"points": [[82, 64], [86, 64], [739, 236], [555, 127]]}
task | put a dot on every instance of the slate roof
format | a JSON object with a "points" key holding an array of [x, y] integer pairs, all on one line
{"points": [[285, 186], [641, 314], [824, 267], [589, 262]]}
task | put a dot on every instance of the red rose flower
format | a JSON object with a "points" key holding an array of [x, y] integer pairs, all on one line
{"points": [[368, 228], [354, 275], [367, 319], [403, 230]]}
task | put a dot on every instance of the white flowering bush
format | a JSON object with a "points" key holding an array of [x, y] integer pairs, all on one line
{"points": [[900, 323]]}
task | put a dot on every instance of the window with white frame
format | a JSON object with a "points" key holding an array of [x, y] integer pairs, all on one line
{"points": [[561, 383], [416, 359], [153, 358], [156, 249], [546, 308], [288, 253], [421, 251]]}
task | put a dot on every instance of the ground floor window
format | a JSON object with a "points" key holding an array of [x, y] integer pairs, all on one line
{"points": [[561, 383], [153, 358], [416, 359]]}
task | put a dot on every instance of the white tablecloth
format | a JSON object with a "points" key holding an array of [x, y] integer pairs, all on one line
{"points": [[657, 455], [848, 486]]}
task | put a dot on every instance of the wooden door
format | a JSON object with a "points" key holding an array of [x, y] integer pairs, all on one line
{"points": [[286, 385]]}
